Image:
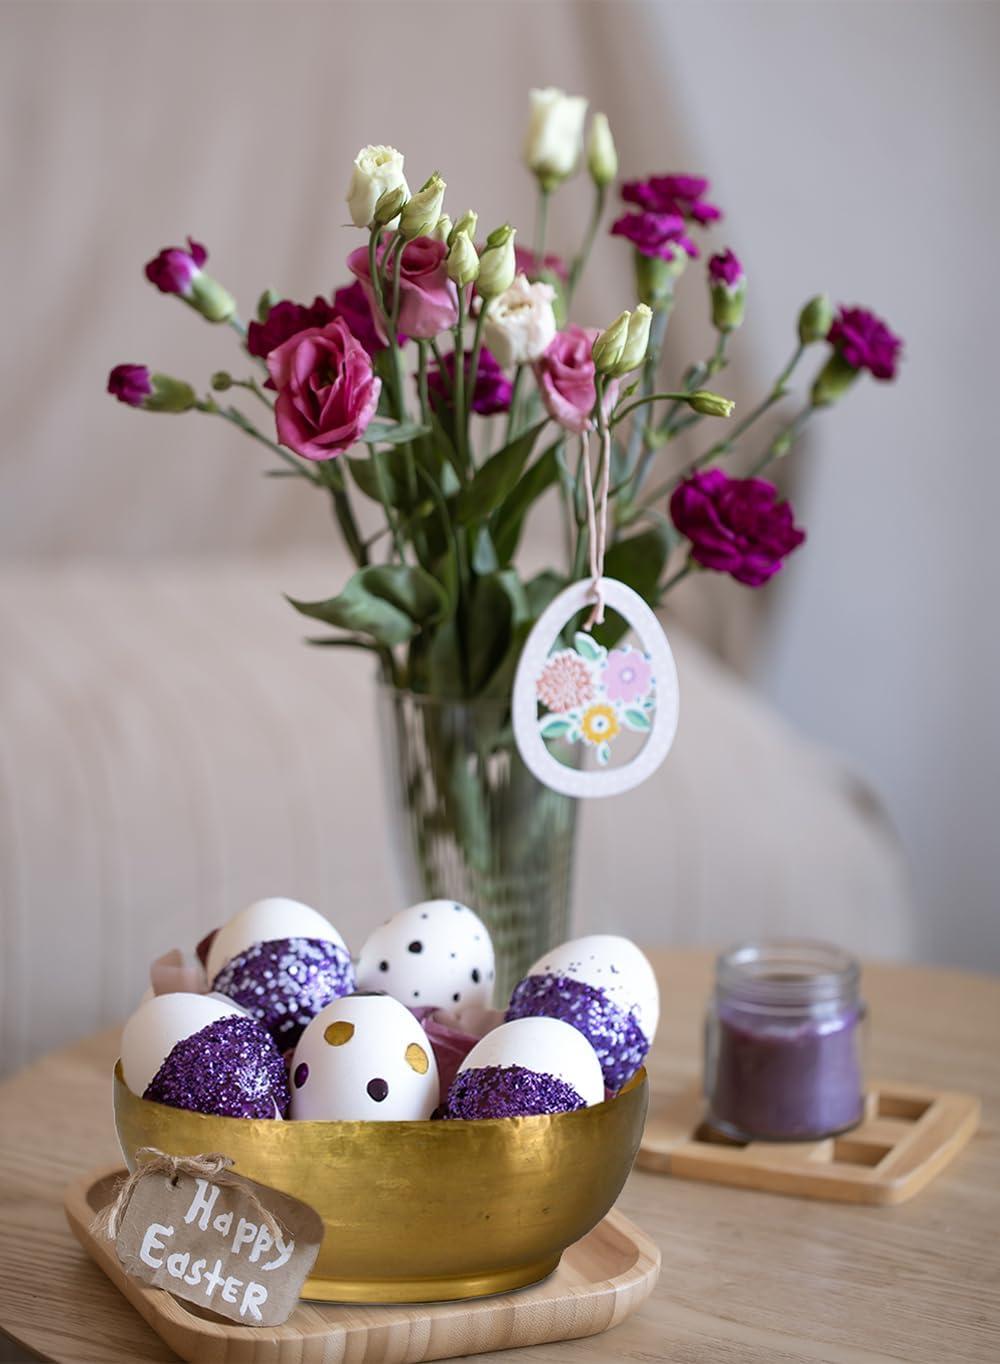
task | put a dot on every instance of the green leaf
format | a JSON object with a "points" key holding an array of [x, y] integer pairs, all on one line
{"points": [[390, 602], [509, 519], [392, 433], [637, 720], [587, 647], [397, 485], [542, 590], [484, 554], [603, 754], [555, 726], [496, 479]]}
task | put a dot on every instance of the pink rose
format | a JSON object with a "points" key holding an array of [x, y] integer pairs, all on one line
{"points": [[565, 376], [428, 300], [327, 390]]}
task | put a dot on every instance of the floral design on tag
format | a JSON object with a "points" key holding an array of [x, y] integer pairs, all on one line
{"points": [[591, 695]]}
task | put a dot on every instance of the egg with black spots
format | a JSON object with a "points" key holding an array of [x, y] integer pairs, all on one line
{"points": [[436, 954], [364, 1057], [203, 1053]]}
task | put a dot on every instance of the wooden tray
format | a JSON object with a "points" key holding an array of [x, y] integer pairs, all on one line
{"points": [[907, 1136], [600, 1281]]}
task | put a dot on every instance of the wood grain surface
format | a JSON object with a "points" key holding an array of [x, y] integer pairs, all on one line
{"points": [[748, 1277]]}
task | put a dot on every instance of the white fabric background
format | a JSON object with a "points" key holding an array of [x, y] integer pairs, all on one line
{"points": [[852, 147]]}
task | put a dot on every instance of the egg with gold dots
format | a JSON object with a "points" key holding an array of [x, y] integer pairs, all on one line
{"points": [[364, 1057]]}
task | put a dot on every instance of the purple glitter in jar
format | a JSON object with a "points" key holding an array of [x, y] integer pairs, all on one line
{"points": [[783, 1043], [284, 983], [508, 1092], [616, 1037], [231, 1068]]}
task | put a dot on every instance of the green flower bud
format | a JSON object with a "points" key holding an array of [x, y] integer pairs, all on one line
{"points": [[728, 305], [636, 341], [609, 347], [815, 319], [389, 205], [468, 223], [169, 395], [497, 266], [442, 232], [602, 158], [207, 296], [833, 381], [463, 262], [654, 278], [710, 404], [421, 213], [221, 381], [265, 303]]}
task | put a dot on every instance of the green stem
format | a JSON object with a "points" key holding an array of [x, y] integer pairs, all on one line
{"points": [[583, 255], [541, 223], [458, 378], [515, 394], [439, 360], [477, 346], [637, 457], [679, 576], [252, 386], [238, 326], [234, 416], [383, 492], [333, 477], [783, 441], [651, 398]]}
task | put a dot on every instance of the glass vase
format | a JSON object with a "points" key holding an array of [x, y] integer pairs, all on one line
{"points": [[471, 823]]}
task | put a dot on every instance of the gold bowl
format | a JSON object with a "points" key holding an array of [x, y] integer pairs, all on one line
{"points": [[421, 1211]]}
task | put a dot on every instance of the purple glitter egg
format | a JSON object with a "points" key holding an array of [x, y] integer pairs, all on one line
{"points": [[230, 1068], [508, 1092], [620, 1043], [284, 983]]}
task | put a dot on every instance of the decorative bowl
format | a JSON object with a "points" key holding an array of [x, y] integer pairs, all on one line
{"points": [[421, 1211]]}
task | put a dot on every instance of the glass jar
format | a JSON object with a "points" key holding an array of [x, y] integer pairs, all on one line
{"points": [[783, 1042]]}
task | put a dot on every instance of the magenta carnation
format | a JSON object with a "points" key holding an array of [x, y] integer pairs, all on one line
{"points": [[287, 319], [327, 390], [735, 525], [428, 300], [677, 194], [493, 388], [726, 268], [130, 384], [864, 341], [655, 234], [525, 264], [174, 268]]}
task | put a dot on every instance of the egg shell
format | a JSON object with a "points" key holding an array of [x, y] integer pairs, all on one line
{"points": [[546, 1046], [157, 1026], [364, 1057], [267, 921], [613, 965], [436, 953]]}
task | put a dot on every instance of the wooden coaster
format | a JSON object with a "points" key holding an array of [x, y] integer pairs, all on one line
{"points": [[906, 1137], [600, 1281]]}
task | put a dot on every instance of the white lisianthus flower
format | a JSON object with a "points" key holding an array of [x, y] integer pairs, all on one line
{"points": [[376, 169], [520, 323], [555, 135]]}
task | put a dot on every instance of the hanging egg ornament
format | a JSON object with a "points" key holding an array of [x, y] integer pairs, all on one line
{"points": [[203, 1053], [593, 695], [525, 1068], [282, 961], [606, 988], [437, 953], [364, 1057]]}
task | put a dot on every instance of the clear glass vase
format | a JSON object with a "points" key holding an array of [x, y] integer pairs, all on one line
{"points": [[471, 823]]}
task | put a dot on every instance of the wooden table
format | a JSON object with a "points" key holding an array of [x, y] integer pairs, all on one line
{"points": [[747, 1277]]}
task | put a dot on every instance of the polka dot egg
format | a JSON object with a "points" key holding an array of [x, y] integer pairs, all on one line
{"points": [[364, 1057], [437, 953]]}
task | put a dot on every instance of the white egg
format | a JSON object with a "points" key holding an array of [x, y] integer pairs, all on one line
{"points": [[437, 953], [267, 921], [614, 965], [546, 1046], [158, 1025], [364, 1056]]}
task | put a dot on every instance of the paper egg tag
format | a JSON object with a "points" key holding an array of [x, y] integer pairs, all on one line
{"points": [[207, 1241], [593, 695]]}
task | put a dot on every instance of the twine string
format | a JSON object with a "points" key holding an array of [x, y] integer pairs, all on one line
{"points": [[211, 1165], [597, 520]]}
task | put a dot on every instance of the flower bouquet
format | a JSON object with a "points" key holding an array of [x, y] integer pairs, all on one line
{"points": [[446, 383]]}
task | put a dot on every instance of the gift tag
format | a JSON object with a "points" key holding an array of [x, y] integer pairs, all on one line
{"points": [[235, 1247], [594, 695]]}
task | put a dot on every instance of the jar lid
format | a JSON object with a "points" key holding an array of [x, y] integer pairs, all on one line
{"points": [[787, 972]]}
